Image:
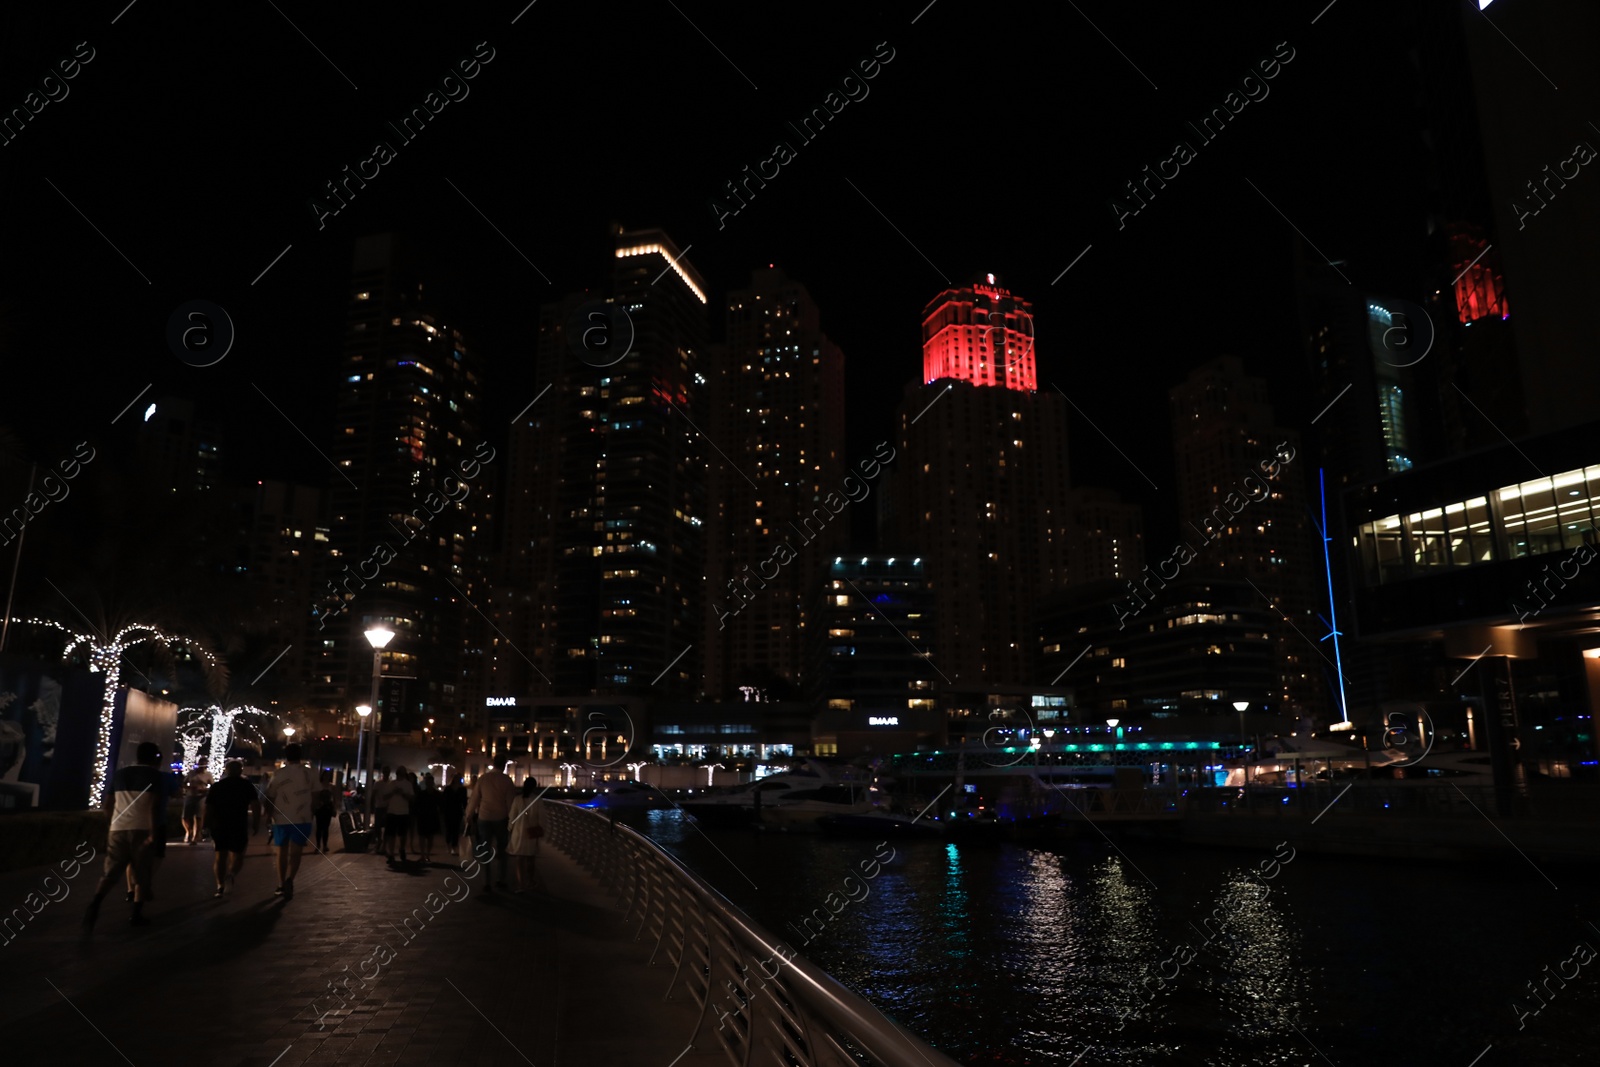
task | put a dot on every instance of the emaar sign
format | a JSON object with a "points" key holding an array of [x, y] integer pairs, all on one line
{"points": [[883, 720], [501, 702]]}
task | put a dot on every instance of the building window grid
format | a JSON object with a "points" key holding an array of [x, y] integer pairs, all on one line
{"points": [[1537, 517]]}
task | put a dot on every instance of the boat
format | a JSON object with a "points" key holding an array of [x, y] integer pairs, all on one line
{"points": [[880, 824], [798, 811], [737, 806]]}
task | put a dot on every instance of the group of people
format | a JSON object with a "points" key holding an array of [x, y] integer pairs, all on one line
{"points": [[503, 822], [409, 814]]}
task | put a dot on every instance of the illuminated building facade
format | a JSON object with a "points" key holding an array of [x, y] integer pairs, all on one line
{"points": [[979, 333], [604, 583], [1243, 527], [1493, 555], [980, 485], [777, 405], [415, 487], [1363, 350], [876, 656], [1207, 644]]}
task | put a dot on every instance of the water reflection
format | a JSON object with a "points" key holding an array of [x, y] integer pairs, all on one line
{"points": [[1011, 955]]}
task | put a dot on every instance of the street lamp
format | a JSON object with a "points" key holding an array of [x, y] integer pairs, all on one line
{"points": [[377, 637], [1240, 706], [362, 710]]}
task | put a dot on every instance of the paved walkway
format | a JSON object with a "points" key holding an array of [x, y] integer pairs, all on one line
{"points": [[461, 977]]}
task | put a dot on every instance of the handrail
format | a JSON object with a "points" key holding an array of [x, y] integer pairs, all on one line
{"points": [[773, 1005]]}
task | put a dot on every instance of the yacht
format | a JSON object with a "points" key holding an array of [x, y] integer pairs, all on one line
{"points": [[738, 805], [800, 810]]}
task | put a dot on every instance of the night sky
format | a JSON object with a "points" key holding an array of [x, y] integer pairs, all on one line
{"points": [[993, 140]]}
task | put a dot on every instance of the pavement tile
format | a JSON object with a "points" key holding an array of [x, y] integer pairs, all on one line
{"points": [[432, 971]]}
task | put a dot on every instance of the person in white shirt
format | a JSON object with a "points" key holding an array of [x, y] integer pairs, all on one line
{"points": [[289, 800], [488, 818], [527, 827]]}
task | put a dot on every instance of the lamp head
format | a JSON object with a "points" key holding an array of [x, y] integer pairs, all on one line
{"points": [[1112, 722], [1241, 705], [363, 710], [379, 636]]}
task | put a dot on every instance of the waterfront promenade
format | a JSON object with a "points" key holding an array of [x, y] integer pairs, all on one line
{"points": [[552, 978]]}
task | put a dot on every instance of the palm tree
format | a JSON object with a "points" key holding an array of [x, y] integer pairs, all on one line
{"points": [[107, 654]]}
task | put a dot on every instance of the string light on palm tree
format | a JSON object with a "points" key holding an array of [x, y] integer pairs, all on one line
{"points": [[225, 725], [106, 657], [191, 741]]}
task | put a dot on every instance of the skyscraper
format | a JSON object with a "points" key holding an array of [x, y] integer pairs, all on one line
{"points": [[411, 493], [1105, 539], [980, 487], [1244, 515], [777, 407], [873, 650], [608, 497]]}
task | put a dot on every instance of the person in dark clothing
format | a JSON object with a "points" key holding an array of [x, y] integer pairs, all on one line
{"points": [[229, 805], [425, 815], [452, 806], [322, 811], [138, 831]]}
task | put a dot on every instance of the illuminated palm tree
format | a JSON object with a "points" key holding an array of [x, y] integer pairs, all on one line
{"points": [[107, 655]]}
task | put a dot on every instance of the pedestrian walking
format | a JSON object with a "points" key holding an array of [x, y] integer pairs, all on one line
{"points": [[137, 834], [489, 814], [195, 785], [452, 809], [425, 813], [412, 841], [289, 800], [380, 803], [527, 827], [229, 805], [322, 810], [397, 817]]}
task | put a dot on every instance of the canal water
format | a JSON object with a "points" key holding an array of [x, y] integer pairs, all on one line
{"points": [[1149, 953]]}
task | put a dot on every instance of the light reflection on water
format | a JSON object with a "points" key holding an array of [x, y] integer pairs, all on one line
{"points": [[1013, 955]]}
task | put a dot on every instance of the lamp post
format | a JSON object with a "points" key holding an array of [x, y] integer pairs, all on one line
{"points": [[377, 637], [363, 710], [1240, 706]]}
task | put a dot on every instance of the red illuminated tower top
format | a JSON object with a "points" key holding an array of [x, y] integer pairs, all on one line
{"points": [[1480, 290], [979, 333]]}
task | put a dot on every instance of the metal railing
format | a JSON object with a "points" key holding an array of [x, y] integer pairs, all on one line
{"points": [[771, 1007]]}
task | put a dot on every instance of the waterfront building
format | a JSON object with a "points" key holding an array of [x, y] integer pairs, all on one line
{"points": [[875, 655], [1244, 515], [603, 573], [776, 395], [980, 483], [412, 492], [1203, 645]]}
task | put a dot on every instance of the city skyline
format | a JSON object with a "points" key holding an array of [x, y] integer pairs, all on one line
{"points": [[1099, 296]]}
